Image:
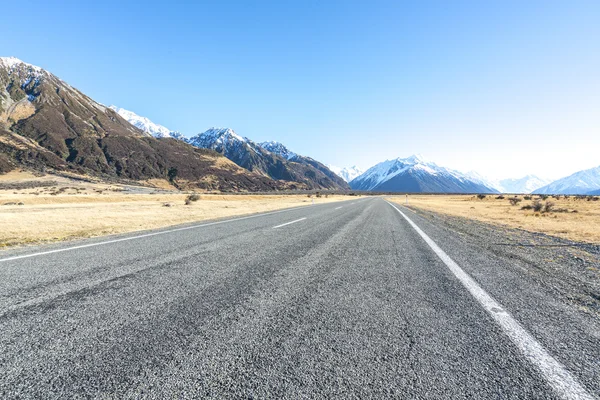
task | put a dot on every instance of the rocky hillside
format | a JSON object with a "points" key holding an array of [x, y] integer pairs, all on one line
{"points": [[47, 124], [274, 161]]}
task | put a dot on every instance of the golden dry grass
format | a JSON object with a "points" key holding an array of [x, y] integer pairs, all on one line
{"points": [[582, 226], [72, 209]]}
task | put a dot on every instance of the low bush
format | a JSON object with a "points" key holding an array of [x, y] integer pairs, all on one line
{"points": [[548, 207], [537, 206], [514, 201], [190, 198], [527, 197], [481, 196], [500, 197]]}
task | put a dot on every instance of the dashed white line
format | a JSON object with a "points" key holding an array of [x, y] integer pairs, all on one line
{"points": [[288, 223], [337, 208], [83, 246], [557, 376]]}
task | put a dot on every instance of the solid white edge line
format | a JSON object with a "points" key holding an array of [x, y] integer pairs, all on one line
{"points": [[288, 223], [555, 374], [149, 234]]}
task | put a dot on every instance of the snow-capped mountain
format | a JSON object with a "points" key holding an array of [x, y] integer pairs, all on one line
{"points": [[273, 160], [279, 148], [527, 184], [415, 175], [347, 173], [226, 142], [144, 124], [582, 182], [484, 180]]}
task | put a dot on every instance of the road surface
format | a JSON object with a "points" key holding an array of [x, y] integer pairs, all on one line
{"points": [[341, 300]]}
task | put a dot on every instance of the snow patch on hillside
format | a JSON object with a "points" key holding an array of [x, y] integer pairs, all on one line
{"points": [[146, 125], [279, 149]]}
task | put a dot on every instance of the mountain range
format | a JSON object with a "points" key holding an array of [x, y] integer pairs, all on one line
{"points": [[46, 124], [526, 184], [270, 159]]}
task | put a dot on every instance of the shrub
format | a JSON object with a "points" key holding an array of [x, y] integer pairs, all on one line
{"points": [[172, 173], [548, 207], [527, 207], [543, 196], [537, 206], [514, 201], [190, 198], [527, 197], [500, 197], [481, 196]]}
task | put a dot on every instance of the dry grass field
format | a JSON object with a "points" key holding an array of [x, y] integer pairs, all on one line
{"points": [[47, 209], [573, 218]]}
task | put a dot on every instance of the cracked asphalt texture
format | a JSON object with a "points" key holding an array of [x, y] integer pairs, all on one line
{"points": [[349, 303]]}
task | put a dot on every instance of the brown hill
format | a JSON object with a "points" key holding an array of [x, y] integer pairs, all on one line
{"points": [[47, 124]]}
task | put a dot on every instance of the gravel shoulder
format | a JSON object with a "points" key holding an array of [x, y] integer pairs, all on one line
{"points": [[573, 268]]}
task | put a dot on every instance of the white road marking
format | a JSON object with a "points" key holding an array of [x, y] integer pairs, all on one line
{"points": [[145, 235], [553, 371], [288, 223], [337, 208]]}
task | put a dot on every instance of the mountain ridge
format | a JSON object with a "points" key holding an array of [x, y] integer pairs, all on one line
{"points": [[278, 163], [580, 182], [146, 125], [47, 124], [346, 173], [415, 175]]}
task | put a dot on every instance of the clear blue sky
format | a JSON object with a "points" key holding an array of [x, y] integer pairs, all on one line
{"points": [[502, 87]]}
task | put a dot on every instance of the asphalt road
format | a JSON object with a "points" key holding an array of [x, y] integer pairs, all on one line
{"points": [[342, 300]]}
